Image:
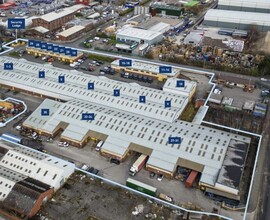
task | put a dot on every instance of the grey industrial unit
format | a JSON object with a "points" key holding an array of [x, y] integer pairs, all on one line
{"points": [[260, 6], [237, 19]]}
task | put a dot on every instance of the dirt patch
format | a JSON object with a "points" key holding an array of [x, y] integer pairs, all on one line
{"points": [[91, 199], [263, 43]]}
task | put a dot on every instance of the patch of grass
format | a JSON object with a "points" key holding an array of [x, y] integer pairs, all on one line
{"points": [[87, 45], [101, 58], [189, 113], [126, 11], [14, 54], [113, 42]]}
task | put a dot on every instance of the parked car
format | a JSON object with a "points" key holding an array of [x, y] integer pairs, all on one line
{"points": [[63, 144], [44, 58], [152, 175], [160, 177], [91, 68], [80, 60], [83, 57], [135, 77], [50, 60], [74, 64], [85, 167], [93, 170], [115, 161], [99, 62], [83, 68], [99, 145], [150, 79], [144, 78], [130, 76], [18, 127]]}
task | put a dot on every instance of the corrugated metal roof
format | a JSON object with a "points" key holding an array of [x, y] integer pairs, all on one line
{"points": [[139, 33], [123, 125], [24, 76], [200, 144], [170, 85], [146, 67], [63, 12], [262, 4], [239, 17], [26, 162], [71, 30]]}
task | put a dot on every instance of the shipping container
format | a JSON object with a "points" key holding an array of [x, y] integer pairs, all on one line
{"points": [[142, 187], [11, 138], [225, 32], [191, 178]]}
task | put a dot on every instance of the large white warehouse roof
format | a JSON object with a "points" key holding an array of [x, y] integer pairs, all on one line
{"points": [[237, 17], [123, 120], [138, 33], [261, 4], [25, 76], [27, 162], [200, 144]]}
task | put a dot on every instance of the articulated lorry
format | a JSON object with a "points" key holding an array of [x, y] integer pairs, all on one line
{"points": [[138, 165]]}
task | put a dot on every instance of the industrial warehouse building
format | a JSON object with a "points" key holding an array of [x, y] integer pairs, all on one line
{"points": [[57, 19], [144, 69], [128, 37], [55, 55], [71, 33], [126, 125], [237, 19], [163, 9], [28, 178], [260, 6], [187, 90]]}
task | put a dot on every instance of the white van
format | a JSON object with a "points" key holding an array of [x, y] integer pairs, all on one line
{"points": [[99, 145]]}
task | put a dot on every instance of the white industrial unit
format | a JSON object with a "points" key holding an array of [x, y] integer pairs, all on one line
{"points": [[261, 6], [237, 19], [139, 35]]}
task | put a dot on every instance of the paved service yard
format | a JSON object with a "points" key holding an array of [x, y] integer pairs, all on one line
{"points": [[203, 86], [241, 96]]}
